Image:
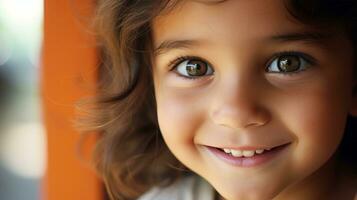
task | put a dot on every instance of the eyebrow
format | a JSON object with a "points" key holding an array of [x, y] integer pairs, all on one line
{"points": [[313, 37], [168, 45], [308, 37]]}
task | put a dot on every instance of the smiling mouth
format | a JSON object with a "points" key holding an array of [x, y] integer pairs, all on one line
{"points": [[243, 153], [248, 157], [248, 153]]}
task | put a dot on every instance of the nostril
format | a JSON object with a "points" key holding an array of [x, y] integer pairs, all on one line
{"points": [[240, 119]]}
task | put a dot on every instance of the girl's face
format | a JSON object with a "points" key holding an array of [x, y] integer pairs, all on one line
{"points": [[244, 75]]}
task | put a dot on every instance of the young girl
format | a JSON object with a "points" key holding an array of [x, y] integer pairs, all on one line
{"points": [[229, 99]]}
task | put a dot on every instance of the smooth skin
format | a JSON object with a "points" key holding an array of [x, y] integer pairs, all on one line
{"points": [[242, 99]]}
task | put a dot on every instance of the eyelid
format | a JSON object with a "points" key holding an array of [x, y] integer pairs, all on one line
{"points": [[173, 64], [307, 58], [179, 60]]}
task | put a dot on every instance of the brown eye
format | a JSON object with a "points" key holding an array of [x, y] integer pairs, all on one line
{"points": [[289, 63], [192, 68], [196, 68]]}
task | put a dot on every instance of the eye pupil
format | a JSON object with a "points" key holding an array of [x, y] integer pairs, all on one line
{"points": [[289, 63], [196, 68]]}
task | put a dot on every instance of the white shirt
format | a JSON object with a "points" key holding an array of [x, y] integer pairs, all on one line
{"points": [[188, 188]]}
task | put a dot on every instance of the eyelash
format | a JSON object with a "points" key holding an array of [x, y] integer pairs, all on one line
{"points": [[174, 64], [307, 58]]}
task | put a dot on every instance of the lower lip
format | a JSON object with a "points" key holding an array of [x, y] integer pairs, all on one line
{"points": [[257, 159]]}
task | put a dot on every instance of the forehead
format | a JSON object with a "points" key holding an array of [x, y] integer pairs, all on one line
{"points": [[225, 21]]}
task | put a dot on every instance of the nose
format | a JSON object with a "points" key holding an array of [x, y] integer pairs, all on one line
{"points": [[238, 106]]}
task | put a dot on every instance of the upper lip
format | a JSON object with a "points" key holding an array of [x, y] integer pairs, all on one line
{"points": [[250, 148]]}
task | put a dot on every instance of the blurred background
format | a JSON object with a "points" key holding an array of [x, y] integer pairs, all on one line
{"points": [[47, 63], [22, 136]]}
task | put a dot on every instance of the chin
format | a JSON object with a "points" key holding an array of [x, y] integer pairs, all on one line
{"points": [[252, 192], [247, 195]]}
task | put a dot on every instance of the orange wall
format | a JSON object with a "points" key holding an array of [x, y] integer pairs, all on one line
{"points": [[67, 74]]}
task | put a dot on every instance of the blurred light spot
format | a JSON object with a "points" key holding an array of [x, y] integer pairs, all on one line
{"points": [[5, 52], [23, 150], [22, 21], [22, 14]]}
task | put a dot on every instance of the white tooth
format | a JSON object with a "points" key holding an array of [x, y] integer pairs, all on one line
{"points": [[268, 149], [236, 153], [248, 153], [259, 151], [227, 150]]}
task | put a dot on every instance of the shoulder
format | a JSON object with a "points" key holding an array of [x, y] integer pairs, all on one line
{"points": [[187, 188]]}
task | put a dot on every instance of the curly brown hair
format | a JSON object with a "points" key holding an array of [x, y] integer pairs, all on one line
{"points": [[131, 155]]}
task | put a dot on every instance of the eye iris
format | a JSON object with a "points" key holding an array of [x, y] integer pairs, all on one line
{"points": [[289, 63], [196, 68]]}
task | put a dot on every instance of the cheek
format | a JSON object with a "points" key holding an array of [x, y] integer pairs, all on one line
{"points": [[179, 117], [317, 120], [176, 119]]}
